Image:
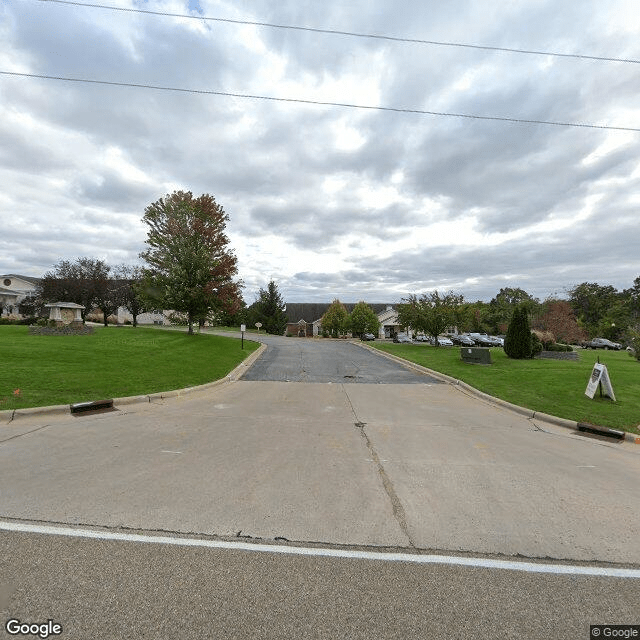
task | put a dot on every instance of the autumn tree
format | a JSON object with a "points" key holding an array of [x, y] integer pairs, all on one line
{"points": [[431, 313], [363, 319], [234, 317], [269, 309], [335, 321], [191, 267], [558, 318]]}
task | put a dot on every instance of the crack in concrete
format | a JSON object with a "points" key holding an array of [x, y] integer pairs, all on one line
{"points": [[396, 505], [25, 433]]}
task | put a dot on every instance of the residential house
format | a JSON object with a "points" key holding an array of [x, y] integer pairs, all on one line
{"points": [[13, 290]]}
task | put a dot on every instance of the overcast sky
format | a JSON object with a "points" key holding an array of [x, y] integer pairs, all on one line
{"points": [[331, 201]]}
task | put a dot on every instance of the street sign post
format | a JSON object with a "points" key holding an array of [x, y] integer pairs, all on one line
{"points": [[243, 328]]}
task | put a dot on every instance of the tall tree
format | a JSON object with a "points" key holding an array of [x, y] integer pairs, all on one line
{"points": [[363, 319], [269, 309], [191, 267], [590, 302], [501, 307], [336, 319], [632, 297], [85, 282], [432, 312]]}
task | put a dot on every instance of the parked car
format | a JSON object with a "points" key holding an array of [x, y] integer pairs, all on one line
{"points": [[482, 340], [465, 341], [422, 338], [602, 343], [444, 342], [402, 337], [368, 336]]}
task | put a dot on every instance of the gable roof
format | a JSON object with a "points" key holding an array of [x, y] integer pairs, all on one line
{"points": [[29, 279], [315, 310]]}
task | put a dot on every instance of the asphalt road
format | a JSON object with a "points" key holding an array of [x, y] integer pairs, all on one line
{"points": [[403, 467], [336, 361], [119, 590]]}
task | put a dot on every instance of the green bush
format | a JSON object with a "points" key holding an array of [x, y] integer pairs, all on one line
{"points": [[536, 345], [557, 346], [27, 321]]}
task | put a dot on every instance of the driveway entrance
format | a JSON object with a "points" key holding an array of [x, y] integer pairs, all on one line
{"points": [[298, 360]]}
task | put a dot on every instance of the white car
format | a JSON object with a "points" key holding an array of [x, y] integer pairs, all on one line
{"points": [[445, 342]]}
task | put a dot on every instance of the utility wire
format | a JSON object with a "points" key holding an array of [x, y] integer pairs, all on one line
{"points": [[317, 102], [352, 34]]}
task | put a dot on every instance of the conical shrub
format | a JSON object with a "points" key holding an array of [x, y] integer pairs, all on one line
{"points": [[518, 342]]}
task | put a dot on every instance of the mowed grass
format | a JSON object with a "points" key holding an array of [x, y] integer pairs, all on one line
{"points": [[111, 363], [555, 387]]}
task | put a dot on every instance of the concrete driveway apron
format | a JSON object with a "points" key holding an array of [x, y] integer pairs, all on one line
{"points": [[363, 452]]}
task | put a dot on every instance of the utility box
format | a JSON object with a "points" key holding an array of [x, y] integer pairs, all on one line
{"points": [[475, 355]]}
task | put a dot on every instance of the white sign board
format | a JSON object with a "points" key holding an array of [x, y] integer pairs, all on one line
{"points": [[600, 375], [243, 328]]}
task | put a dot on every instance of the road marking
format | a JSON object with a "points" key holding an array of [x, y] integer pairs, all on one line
{"points": [[171, 451], [487, 563]]}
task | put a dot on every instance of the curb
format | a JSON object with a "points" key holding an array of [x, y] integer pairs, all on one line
{"points": [[528, 413], [9, 415]]}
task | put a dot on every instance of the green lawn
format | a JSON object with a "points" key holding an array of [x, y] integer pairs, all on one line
{"points": [[555, 387], [111, 363]]}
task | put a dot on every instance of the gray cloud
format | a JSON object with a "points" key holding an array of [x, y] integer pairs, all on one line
{"points": [[80, 162]]}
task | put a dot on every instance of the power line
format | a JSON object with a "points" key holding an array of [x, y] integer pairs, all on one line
{"points": [[352, 34], [317, 102]]}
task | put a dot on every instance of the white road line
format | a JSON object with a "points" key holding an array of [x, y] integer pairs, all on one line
{"points": [[163, 451], [487, 563]]}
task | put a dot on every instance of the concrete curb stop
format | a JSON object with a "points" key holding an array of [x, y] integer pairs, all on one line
{"points": [[528, 413], [9, 415]]}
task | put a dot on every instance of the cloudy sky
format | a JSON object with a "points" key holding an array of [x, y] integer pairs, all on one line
{"points": [[331, 201]]}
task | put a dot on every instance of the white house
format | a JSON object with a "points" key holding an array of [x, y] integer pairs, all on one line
{"points": [[388, 323], [13, 290]]}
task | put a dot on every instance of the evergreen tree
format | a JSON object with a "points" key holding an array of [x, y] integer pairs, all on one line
{"points": [[269, 310], [518, 342]]}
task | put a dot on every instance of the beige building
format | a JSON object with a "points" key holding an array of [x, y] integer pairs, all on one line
{"points": [[13, 290]]}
